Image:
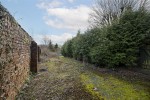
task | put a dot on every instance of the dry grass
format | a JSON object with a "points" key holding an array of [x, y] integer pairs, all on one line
{"points": [[59, 81], [68, 79]]}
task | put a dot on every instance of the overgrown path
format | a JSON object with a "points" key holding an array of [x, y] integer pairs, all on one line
{"points": [[66, 79]]}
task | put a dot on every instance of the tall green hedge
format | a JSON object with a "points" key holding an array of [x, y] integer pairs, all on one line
{"points": [[112, 46]]}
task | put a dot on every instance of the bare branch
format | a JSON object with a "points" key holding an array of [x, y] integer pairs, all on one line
{"points": [[106, 11]]}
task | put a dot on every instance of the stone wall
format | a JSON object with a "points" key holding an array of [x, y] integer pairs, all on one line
{"points": [[15, 56]]}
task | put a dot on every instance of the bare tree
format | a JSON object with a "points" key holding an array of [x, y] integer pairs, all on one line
{"points": [[105, 11], [145, 4], [46, 40]]}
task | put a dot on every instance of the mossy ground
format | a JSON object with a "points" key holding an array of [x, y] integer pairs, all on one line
{"points": [[68, 79], [111, 88]]}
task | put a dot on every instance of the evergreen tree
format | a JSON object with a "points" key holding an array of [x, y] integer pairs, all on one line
{"points": [[115, 45], [56, 46], [50, 45]]}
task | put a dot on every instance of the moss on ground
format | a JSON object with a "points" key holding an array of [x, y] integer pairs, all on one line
{"points": [[108, 87], [68, 79], [89, 87], [111, 88]]}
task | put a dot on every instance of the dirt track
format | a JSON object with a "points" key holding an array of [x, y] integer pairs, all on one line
{"points": [[66, 79], [56, 80]]}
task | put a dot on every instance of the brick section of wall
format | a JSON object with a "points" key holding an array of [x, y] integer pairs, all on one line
{"points": [[34, 58], [15, 55]]}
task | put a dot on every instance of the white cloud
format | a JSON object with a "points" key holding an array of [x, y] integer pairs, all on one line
{"points": [[68, 18], [46, 5], [60, 39], [71, 1], [61, 16]]}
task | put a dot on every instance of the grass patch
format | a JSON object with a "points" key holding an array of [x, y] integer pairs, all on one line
{"points": [[110, 88], [89, 87], [68, 78]]}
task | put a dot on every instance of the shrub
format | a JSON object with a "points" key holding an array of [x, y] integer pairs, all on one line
{"points": [[114, 45]]}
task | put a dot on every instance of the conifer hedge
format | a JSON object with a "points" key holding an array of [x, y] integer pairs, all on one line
{"points": [[112, 45]]}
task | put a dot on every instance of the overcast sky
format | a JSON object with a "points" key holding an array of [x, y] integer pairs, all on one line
{"points": [[56, 19]]}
